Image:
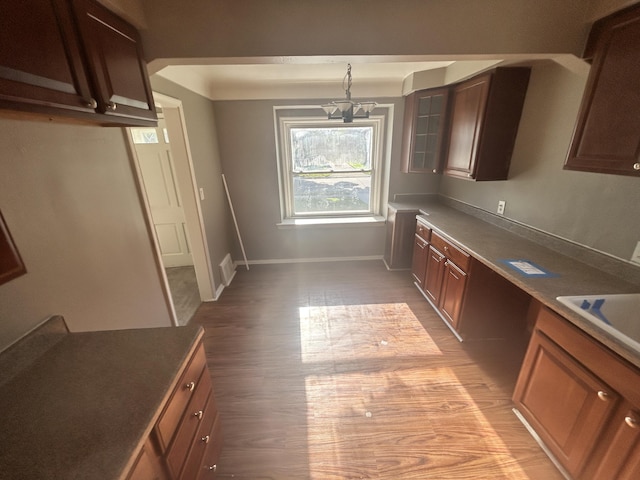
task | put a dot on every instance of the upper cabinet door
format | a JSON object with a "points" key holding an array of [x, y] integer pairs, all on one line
{"points": [[469, 103], [607, 133], [41, 66], [485, 116], [425, 126], [115, 62]]}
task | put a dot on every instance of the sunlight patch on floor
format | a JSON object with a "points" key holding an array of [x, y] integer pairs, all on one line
{"points": [[391, 406], [328, 333]]}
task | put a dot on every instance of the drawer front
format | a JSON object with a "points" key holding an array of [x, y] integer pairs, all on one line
{"points": [[193, 419], [423, 232], [455, 254], [203, 439], [184, 391], [212, 454]]}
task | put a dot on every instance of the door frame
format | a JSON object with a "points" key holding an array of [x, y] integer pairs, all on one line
{"points": [[186, 180]]}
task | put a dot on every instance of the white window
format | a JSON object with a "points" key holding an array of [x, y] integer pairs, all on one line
{"points": [[329, 169]]}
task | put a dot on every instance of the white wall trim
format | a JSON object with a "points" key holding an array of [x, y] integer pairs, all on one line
{"points": [[311, 260]]}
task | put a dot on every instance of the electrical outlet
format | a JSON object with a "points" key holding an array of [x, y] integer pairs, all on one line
{"points": [[635, 257], [501, 205]]}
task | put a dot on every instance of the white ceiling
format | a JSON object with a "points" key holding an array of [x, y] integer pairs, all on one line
{"points": [[322, 77], [295, 80]]}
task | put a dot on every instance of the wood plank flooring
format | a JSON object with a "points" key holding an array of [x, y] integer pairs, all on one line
{"points": [[343, 371]]}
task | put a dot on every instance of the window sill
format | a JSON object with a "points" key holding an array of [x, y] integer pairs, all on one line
{"points": [[370, 220]]}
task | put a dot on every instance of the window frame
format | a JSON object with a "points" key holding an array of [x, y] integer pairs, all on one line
{"points": [[284, 124]]}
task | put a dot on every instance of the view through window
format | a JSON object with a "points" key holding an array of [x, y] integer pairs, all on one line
{"points": [[331, 169]]}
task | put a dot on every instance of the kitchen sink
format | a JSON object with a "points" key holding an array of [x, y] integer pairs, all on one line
{"points": [[618, 314]]}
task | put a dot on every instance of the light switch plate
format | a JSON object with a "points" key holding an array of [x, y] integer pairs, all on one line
{"points": [[636, 254], [501, 205]]}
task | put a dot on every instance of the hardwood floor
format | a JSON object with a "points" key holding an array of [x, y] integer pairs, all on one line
{"points": [[343, 371]]}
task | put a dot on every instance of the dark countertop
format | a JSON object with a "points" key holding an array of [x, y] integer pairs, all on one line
{"points": [[83, 409], [490, 244]]}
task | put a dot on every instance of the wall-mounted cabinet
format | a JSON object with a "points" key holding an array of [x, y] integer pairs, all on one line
{"points": [[73, 59], [485, 114], [424, 130], [607, 134]]}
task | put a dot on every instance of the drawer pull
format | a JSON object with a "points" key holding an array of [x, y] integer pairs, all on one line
{"points": [[198, 414], [631, 421], [205, 439], [91, 103], [213, 467], [602, 395], [190, 386], [112, 106], [636, 166]]}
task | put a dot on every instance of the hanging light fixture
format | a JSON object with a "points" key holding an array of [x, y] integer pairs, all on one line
{"points": [[347, 109]]}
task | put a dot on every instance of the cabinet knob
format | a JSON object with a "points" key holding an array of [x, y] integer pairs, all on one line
{"points": [[112, 106], [434, 170], [212, 468], [91, 103], [602, 395], [636, 166], [190, 386], [198, 414], [205, 439], [631, 420]]}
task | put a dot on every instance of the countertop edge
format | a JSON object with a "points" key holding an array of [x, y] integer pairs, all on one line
{"points": [[426, 215]]}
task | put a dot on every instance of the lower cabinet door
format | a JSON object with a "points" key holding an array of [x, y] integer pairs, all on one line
{"points": [[453, 284], [433, 275], [619, 458], [419, 262], [565, 404]]}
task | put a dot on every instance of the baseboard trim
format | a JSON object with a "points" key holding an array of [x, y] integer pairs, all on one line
{"points": [[309, 260]]}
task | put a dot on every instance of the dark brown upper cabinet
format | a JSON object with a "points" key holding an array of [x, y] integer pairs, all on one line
{"points": [[115, 63], [11, 265], [607, 134], [72, 59], [424, 130], [485, 114]]}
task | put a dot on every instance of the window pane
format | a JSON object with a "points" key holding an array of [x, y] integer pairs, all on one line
{"points": [[339, 149], [144, 135], [318, 193]]}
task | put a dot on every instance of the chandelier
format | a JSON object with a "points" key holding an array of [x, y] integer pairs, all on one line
{"points": [[347, 109]]}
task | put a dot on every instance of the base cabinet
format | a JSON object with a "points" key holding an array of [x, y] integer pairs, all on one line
{"points": [[188, 433], [399, 239], [581, 400], [472, 299]]}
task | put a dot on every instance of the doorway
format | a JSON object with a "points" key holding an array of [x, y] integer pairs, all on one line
{"points": [[166, 176]]}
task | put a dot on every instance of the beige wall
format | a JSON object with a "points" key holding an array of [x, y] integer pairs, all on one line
{"points": [[69, 198], [596, 210], [203, 142], [248, 152], [244, 28]]}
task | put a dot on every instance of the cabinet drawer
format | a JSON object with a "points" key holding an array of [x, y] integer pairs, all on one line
{"points": [[204, 439], [423, 232], [194, 417], [212, 454], [455, 254], [183, 392]]}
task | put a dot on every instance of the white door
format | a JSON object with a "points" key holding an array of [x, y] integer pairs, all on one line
{"points": [[159, 179]]}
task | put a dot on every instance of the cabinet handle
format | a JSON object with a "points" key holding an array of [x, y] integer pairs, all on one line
{"points": [[631, 420], [190, 386], [205, 439], [198, 414], [112, 106], [212, 468], [602, 395], [91, 103], [636, 166]]}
